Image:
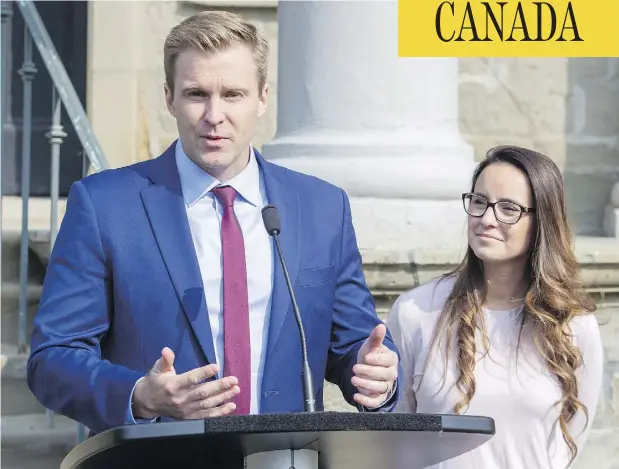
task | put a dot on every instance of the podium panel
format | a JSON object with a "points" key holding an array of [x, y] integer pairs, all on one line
{"points": [[337, 440]]}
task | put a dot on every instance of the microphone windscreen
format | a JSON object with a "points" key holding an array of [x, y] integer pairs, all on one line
{"points": [[270, 218]]}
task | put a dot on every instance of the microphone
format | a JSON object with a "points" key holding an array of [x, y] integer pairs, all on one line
{"points": [[273, 225]]}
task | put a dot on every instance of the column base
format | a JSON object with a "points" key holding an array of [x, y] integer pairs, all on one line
{"points": [[611, 221], [283, 459], [611, 213], [380, 165], [405, 224]]}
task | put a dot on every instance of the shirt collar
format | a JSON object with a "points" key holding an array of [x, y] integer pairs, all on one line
{"points": [[196, 183]]}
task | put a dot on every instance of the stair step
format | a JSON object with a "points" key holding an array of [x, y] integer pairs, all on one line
{"points": [[10, 290], [18, 429], [17, 399], [10, 310], [13, 364], [11, 242], [38, 247], [29, 442]]}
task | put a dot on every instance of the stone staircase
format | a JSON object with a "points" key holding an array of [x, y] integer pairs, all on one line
{"points": [[30, 438]]}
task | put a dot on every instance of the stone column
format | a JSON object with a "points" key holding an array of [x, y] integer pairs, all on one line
{"points": [[383, 128], [611, 214]]}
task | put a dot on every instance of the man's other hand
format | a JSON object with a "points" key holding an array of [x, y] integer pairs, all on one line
{"points": [[376, 370]]}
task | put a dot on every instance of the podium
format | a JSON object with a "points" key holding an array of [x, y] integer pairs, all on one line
{"points": [[318, 440]]}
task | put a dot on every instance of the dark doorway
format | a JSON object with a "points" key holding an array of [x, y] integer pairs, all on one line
{"points": [[66, 23]]}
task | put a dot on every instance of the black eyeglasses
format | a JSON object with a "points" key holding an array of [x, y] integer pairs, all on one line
{"points": [[504, 210]]}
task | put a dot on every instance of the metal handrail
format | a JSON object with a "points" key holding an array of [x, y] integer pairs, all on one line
{"points": [[63, 85]]}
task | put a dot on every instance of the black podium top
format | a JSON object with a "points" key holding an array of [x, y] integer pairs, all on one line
{"points": [[343, 439]]}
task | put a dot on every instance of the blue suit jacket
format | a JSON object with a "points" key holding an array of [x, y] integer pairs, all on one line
{"points": [[123, 282]]}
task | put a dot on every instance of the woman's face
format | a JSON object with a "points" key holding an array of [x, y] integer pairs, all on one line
{"points": [[507, 235]]}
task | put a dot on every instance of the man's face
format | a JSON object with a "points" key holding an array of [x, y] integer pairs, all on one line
{"points": [[216, 102]]}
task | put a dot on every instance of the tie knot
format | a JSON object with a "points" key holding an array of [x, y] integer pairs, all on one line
{"points": [[226, 195]]}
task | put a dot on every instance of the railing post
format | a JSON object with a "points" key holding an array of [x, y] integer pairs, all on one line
{"points": [[27, 72], [55, 136]]}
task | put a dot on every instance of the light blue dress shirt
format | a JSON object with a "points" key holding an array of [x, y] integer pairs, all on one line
{"points": [[204, 212]]}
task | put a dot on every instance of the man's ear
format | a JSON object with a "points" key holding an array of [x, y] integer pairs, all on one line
{"points": [[264, 98], [169, 98]]}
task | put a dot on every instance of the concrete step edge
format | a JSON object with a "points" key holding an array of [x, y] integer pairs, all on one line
{"points": [[18, 429], [10, 290], [13, 364]]}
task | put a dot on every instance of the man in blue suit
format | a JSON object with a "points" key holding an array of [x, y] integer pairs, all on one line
{"points": [[164, 298]]}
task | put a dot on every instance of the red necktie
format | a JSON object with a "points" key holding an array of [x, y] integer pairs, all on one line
{"points": [[237, 347]]}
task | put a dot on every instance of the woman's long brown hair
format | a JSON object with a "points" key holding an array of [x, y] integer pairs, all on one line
{"points": [[554, 297]]}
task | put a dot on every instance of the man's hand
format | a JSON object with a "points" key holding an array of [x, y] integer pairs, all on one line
{"points": [[163, 393], [376, 370]]}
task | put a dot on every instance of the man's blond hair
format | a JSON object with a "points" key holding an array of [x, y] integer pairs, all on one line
{"points": [[212, 31]]}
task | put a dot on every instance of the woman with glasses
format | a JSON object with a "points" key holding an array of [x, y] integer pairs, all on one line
{"points": [[510, 332]]}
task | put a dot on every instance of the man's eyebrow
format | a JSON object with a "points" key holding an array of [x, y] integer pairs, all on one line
{"points": [[224, 89]]}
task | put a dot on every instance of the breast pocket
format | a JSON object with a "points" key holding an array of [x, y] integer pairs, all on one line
{"points": [[316, 276]]}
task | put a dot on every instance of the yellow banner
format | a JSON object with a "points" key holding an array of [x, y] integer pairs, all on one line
{"points": [[553, 28]]}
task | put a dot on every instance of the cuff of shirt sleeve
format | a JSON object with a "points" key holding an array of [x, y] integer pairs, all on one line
{"points": [[386, 403], [129, 417]]}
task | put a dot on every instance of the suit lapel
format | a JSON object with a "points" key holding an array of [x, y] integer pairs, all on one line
{"points": [[287, 203], [164, 205]]}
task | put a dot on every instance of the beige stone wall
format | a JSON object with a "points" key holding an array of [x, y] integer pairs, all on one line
{"points": [[566, 108], [592, 135], [112, 88], [519, 101]]}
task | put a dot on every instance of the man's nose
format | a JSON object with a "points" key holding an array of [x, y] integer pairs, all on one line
{"points": [[213, 113]]}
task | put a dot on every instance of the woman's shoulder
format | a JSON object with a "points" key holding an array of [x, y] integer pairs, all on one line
{"points": [[423, 302], [585, 329], [414, 316]]}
